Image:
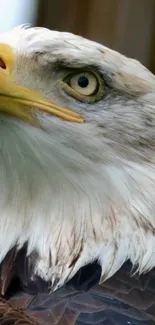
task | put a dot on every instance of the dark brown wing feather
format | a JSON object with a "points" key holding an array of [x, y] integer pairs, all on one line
{"points": [[14, 316], [121, 300]]}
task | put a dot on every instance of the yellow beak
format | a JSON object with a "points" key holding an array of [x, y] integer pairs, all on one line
{"points": [[22, 102]]}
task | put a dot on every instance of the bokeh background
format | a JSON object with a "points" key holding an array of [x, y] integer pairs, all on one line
{"points": [[127, 26]]}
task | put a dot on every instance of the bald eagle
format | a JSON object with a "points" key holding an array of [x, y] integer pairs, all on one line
{"points": [[77, 174]]}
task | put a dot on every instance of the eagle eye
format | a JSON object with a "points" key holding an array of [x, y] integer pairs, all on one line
{"points": [[84, 85]]}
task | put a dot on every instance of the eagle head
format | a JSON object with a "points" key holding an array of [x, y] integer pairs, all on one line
{"points": [[77, 166]]}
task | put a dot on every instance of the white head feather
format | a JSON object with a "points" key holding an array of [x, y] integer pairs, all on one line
{"points": [[79, 192]]}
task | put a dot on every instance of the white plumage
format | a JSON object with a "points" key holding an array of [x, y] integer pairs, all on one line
{"points": [[79, 192]]}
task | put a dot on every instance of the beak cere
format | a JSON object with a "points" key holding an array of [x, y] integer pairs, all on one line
{"points": [[22, 102]]}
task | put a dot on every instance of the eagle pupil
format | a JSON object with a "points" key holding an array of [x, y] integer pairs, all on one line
{"points": [[83, 82]]}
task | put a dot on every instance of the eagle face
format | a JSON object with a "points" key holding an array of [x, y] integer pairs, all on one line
{"points": [[71, 192]]}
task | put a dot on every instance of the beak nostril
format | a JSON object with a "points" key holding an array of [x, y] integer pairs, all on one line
{"points": [[2, 64], [7, 58]]}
